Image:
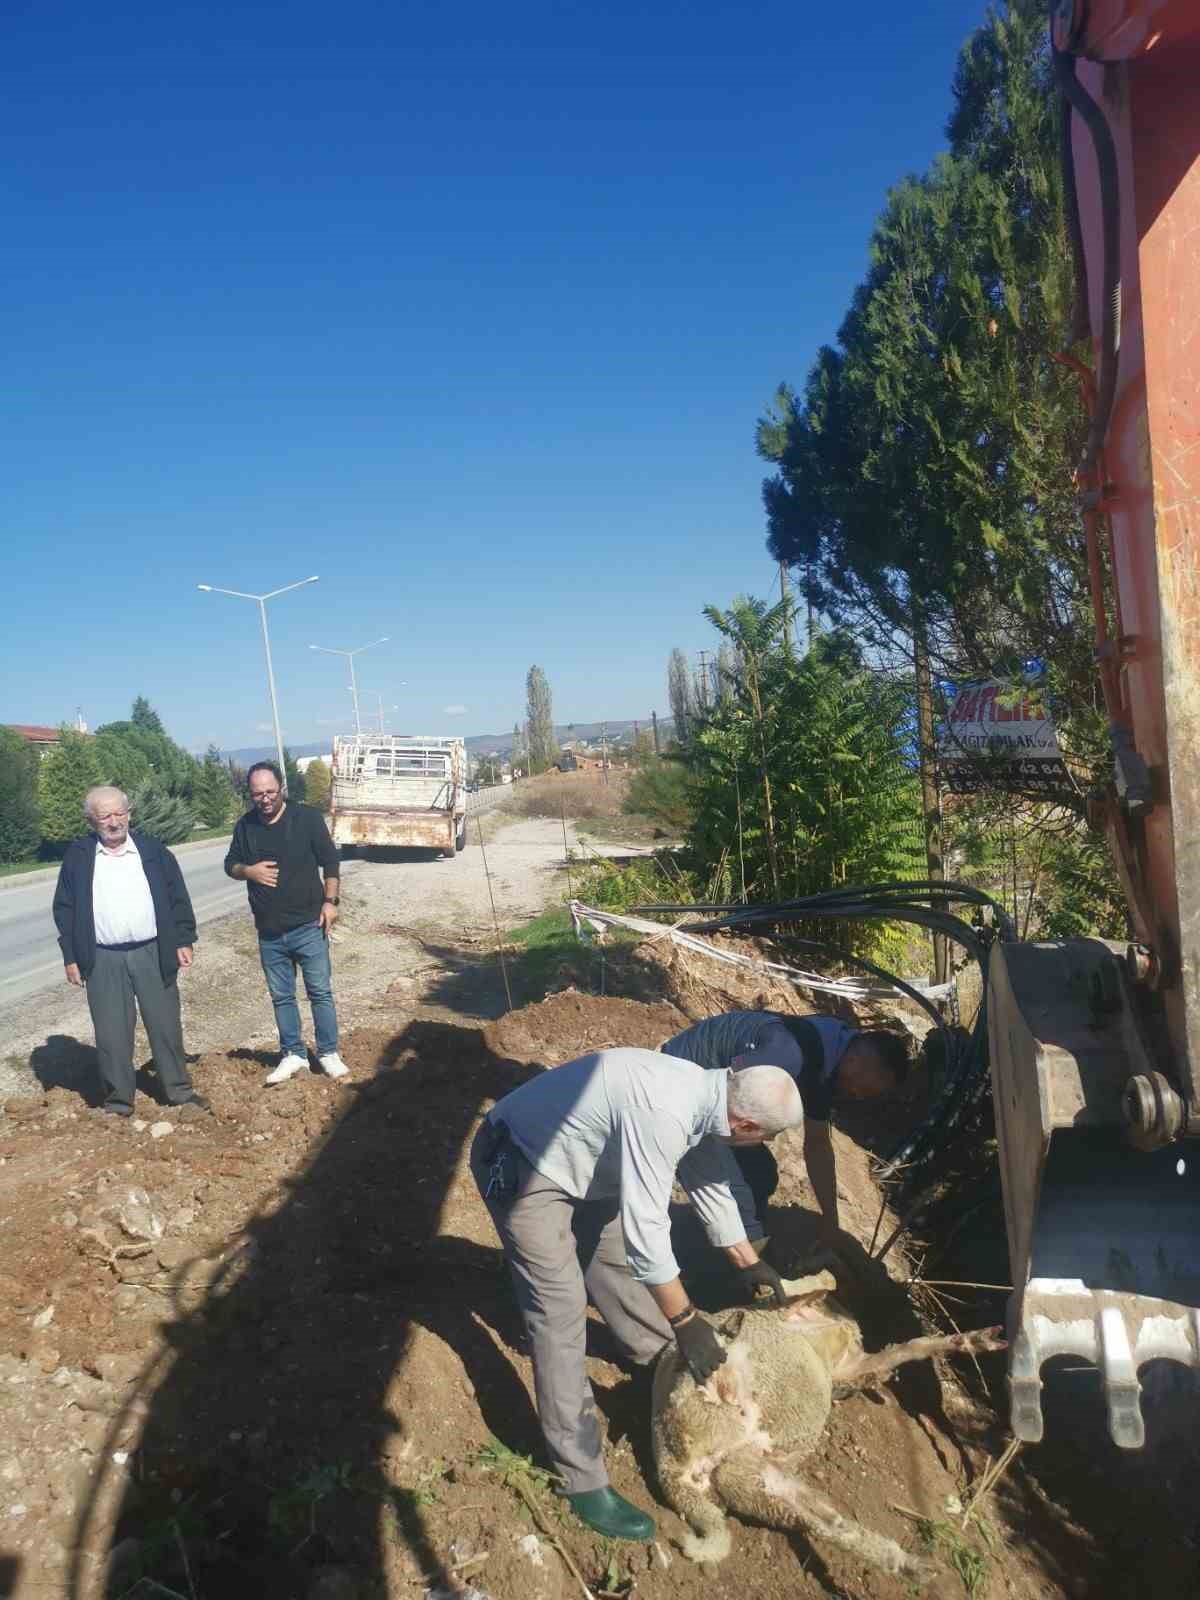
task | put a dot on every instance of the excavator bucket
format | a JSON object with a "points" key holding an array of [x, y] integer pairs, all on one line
{"points": [[1104, 1239]]}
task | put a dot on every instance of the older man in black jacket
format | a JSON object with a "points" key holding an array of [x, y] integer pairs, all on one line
{"points": [[126, 926]]}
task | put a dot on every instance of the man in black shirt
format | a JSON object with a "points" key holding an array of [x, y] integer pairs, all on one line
{"points": [[278, 849]]}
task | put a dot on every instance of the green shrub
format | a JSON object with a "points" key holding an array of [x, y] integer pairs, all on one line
{"points": [[165, 817], [20, 825]]}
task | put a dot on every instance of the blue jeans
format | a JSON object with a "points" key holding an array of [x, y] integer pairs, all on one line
{"points": [[308, 949]]}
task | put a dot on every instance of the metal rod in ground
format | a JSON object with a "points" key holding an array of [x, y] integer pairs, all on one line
{"points": [[495, 918], [562, 811]]}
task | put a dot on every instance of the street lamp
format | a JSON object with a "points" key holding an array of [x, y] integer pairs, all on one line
{"points": [[261, 600], [350, 655]]}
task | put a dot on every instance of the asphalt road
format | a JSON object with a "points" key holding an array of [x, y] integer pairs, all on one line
{"points": [[29, 955], [30, 959]]}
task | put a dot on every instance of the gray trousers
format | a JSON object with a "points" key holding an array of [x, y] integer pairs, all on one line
{"points": [[119, 978], [561, 1253]]}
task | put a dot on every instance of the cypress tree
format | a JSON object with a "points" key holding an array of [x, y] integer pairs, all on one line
{"points": [[64, 777], [20, 828]]}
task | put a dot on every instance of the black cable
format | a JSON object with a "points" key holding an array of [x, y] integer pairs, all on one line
{"points": [[1093, 118]]}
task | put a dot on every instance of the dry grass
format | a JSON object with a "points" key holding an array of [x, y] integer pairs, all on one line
{"points": [[576, 795]]}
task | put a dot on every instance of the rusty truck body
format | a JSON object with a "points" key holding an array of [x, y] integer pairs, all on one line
{"points": [[399, 791]]}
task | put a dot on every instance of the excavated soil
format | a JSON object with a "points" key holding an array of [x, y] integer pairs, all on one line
{"points": [[266, 1355]]}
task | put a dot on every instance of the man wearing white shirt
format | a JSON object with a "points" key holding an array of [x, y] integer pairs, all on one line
{"points": [[126, 927]]}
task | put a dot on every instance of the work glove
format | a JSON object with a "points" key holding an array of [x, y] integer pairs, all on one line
{"points": [[700, 1348], [761, 1276]]}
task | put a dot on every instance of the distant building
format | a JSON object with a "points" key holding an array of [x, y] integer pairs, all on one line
{"points": [[44, 739], [304, 762]]}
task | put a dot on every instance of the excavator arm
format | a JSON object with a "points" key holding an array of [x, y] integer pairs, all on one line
{"points": [[1095, 1048]]}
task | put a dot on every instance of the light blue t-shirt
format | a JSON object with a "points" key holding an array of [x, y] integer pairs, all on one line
{"points": [[618, 1125]]}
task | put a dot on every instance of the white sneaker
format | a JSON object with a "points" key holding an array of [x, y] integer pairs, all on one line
{"points": [[287, 1068], [333, 1066]]}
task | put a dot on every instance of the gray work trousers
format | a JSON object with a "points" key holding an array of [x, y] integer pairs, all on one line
{"points": [[119, 978], [561, 1253]]}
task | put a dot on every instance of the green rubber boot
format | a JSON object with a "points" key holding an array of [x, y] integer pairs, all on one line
{"points": [[607, 1512]]}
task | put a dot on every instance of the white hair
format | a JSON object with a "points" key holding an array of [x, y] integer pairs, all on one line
{"points": [[766, 1096], [102, 788]]}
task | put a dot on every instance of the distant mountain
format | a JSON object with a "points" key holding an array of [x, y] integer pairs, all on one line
{"points": [[267, 752], [486, 744]]}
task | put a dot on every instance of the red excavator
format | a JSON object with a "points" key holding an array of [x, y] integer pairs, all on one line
{"points": [[1095, 1049]]}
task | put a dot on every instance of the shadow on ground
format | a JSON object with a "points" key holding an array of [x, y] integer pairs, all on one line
{"points": [[279, 1400]]}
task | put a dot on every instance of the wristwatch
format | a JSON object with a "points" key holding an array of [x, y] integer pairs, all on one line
{"points": [[333, 899]]}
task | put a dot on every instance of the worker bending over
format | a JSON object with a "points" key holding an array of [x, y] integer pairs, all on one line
{"points": [[829, 1060], [576, 1168]]}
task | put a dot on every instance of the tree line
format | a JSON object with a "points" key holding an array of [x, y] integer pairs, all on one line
{"points": [[172, 793]]}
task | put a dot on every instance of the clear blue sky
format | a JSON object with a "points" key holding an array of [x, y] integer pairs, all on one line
{"points": [[470, 310]]}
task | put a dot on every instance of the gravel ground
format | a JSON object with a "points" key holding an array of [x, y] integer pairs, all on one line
{"points": [[411, 900]]}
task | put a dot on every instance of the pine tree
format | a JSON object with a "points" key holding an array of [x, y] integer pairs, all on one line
{"points": [[318, 784], [924, 488], [295, 778], [20, 826], [64, 777], [214, 792], [163, 816], [145, 717], [539, 715]]}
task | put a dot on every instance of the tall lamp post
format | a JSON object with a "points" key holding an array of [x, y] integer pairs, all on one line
{"points": [[261, 600], [350, 655]]}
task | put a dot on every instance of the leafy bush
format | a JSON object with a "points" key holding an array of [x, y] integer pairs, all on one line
{"points": [[318, 782], [661, 788], [609, 887]]}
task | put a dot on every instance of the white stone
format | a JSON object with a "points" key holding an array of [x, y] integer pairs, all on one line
{"points": [[159, 1130]]}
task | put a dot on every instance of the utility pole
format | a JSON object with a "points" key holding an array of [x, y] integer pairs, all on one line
{"points": [[702, 683], [930, 806], [785, 594], [654, 725], [604, 750]]}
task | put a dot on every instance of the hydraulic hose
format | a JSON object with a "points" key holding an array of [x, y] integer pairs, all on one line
{"points": [[1079, 100], [1080, 317]]}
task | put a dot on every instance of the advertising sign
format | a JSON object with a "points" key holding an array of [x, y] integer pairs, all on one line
{"points": [[999, 735]]}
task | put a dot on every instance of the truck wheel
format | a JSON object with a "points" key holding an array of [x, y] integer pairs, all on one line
{"points": [[460, 838]]}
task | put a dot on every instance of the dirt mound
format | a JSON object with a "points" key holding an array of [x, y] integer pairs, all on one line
{"points": [[571, 1023]]}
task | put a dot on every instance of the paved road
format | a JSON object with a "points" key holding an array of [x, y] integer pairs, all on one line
{"points": [[29, 955]]}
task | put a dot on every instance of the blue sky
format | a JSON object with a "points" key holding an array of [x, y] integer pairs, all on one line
{"points": [[469, 310]]}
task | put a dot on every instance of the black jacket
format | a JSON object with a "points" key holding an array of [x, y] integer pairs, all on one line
{"points": [[76, 923]]}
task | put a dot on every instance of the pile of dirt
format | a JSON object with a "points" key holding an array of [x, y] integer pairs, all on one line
{"points": [[571, 1023]]}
